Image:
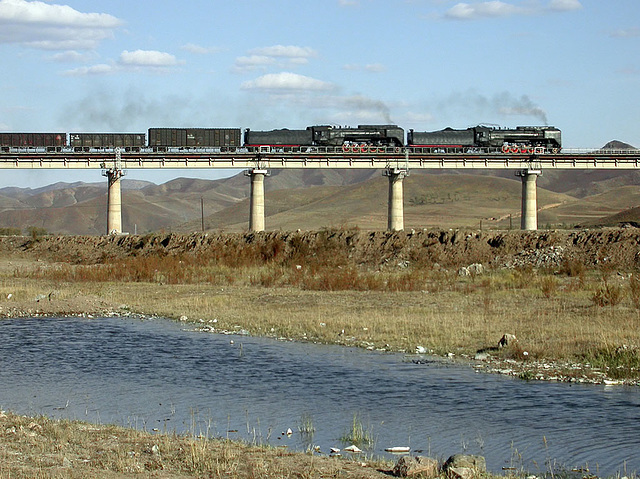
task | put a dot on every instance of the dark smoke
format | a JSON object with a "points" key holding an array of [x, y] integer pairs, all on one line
{"points": [[509, 105], [132, 111], [501, 104], [367, 104]]}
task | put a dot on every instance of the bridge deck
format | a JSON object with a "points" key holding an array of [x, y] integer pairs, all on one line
{"points": [[380, 158]]}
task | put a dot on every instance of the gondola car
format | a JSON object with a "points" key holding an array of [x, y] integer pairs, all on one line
{"points": [[107, 141], [187, 138], [47, 141]]}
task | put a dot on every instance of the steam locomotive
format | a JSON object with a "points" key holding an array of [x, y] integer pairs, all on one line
{"points": [[363, 138], [522, 139], [374, 135]]}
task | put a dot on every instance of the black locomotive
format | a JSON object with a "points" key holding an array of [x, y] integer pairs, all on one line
{"points": [[371, 135], [522, 139], [363, 138]]}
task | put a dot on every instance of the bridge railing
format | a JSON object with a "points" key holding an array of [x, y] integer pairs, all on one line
{"points": [[348, 149]]}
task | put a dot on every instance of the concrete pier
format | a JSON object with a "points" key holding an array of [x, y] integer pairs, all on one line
{"points": [[529, 179], [114, 201], [256, 211], [395, 212]]}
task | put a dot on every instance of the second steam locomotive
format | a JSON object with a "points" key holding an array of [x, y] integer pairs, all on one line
{"points": [[360, 139]]}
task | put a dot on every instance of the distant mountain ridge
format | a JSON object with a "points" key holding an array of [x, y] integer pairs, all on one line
{"points": [[618, 145], [316, 198]]}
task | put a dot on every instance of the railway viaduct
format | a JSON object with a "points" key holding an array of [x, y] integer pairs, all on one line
{"points": [[395, 163]]}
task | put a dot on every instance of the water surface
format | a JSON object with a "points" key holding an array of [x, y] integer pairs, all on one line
{"points": [[153, 374]]}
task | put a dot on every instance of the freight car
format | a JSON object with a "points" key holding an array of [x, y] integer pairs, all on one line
{"points": [[162, 139], [522, 139], [107, 141], [322, 135], [47, 141]]}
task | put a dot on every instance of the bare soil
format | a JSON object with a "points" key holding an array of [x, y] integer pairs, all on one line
{"points": [[619, 247]]}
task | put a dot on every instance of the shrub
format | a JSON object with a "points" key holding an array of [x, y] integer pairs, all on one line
{"points": [[634, 290], [10, 231], [549, 286], [36, 232], [620, 362], [572, 267], [607, 294]]}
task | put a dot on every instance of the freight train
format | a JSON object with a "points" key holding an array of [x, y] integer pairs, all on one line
{"points": [[360, 139]]}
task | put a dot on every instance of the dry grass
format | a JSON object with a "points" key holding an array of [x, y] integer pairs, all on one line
{"points": [[44, 448], [554, 316], [587, 315]]}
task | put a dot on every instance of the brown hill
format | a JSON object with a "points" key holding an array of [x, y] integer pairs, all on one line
{"points": [[79, 208], [445, 201]]}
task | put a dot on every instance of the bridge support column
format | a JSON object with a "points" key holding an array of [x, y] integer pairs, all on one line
{"points": [[256, 209], [395, 211], [529, 179], [114, 201]]}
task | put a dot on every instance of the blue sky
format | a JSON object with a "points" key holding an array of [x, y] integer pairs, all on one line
{"points": [[424, 64]]}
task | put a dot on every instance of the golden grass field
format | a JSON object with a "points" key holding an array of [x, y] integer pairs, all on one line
{"points": [[573, 312], [311, 288]]}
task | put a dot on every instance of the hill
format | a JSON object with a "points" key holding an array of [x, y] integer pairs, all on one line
{"points": [[317, 198], [445, 201]]}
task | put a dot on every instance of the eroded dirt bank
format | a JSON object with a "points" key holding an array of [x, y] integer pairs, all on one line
{"points": [[618, 247]]}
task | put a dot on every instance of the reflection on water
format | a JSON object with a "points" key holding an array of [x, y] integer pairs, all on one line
{"points": [[151, 374]]}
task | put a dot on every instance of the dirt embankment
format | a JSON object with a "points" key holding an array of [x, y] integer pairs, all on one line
{"points": [[618, 247]]}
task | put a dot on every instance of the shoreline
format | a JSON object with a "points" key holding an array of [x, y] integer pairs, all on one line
{"points": [[482, 362]]}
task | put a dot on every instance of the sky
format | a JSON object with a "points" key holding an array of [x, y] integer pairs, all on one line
{"points": [[126, 66]]}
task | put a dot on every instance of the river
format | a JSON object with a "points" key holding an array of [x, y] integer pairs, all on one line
{"points": [[159, 374]]}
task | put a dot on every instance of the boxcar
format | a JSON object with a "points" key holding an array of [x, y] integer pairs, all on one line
{"points": [[194, 137]]}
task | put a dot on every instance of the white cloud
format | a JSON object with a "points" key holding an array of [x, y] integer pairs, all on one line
{"points": [[370, 68], [626, 33], [53, 27], [466, 11], [286, 81], [101, 69], [289, 51], [147, 58], [564, 5], [498, 8], [276, 55], [72, 56], [253, 62], [198, 49]]}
